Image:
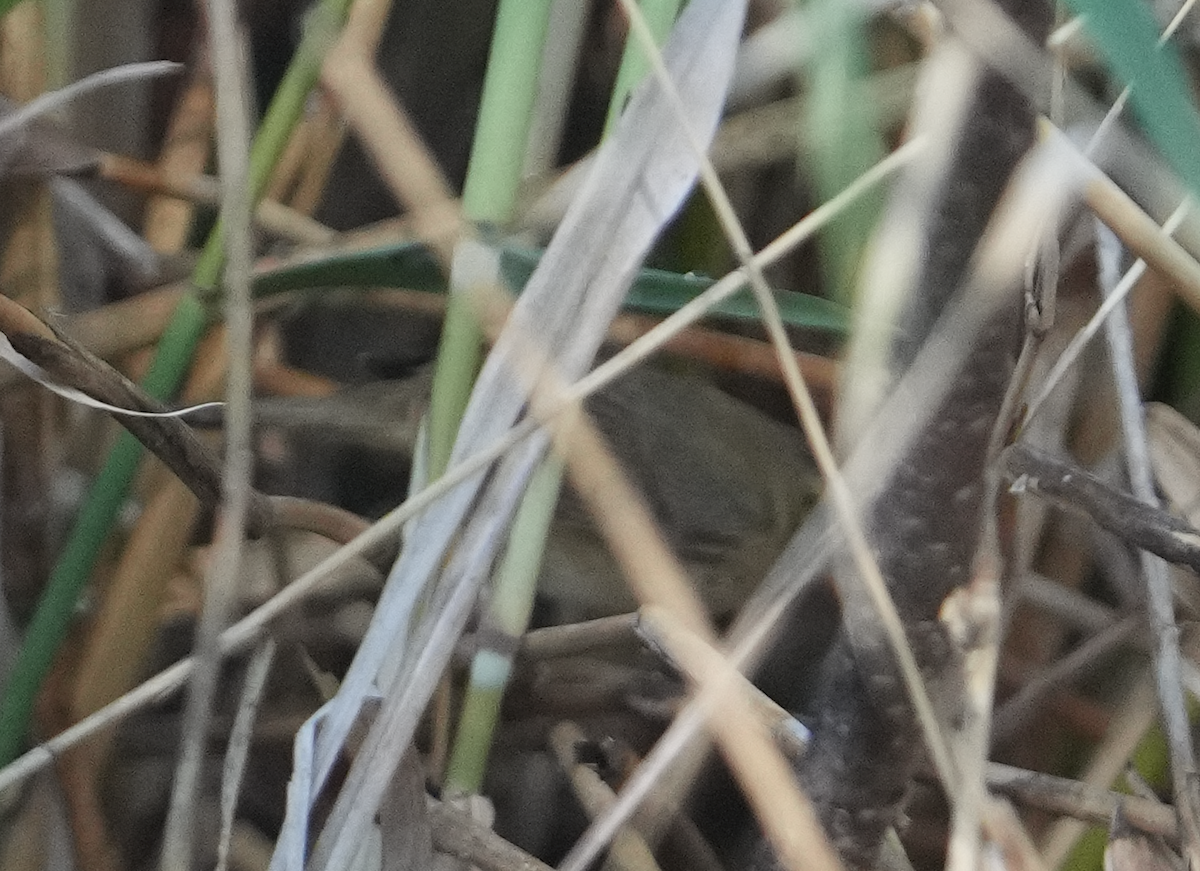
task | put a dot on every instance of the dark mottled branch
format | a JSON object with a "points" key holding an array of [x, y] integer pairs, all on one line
{"points": [[1132, 520], [925, 527], [1074, 799]]}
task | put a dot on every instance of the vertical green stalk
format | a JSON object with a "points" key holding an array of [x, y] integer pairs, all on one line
{"points": [[172, 360], [511, 602], [58, 19], [840, 135], [489, 197], [660, 15], [505, 621]]}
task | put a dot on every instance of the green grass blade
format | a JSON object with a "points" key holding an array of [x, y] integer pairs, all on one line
{"points": [[1128, 37], [410, 265], [172, 360], [489, 197], [839, 137], [660, 15]]}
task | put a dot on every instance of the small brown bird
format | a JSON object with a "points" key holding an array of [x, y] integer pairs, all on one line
{"points": [[727, 483]]}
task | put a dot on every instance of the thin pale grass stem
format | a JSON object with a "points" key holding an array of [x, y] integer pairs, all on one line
{"points": [[231, 79], [1015, 712], [387, 528], [1160, 599], [240, 736], [1137, 230], [868, 569], [369, 108]]}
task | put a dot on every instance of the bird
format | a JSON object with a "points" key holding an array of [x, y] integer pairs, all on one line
{"points": [[726, 483]]}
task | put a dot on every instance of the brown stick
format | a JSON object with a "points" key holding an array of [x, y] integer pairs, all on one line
{"points": [[1133, 521]]}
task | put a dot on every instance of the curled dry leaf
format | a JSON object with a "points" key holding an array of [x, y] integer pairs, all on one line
{"points": [[1175, 456], [1174, 443]]}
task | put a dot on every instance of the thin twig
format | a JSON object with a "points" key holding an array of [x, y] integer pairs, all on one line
{"points": [[629, 850], [272, 216], [253, 686], [1134, 521], [233, 151], [1167, 657], [1088, 656], [457, 834], [575, 638], [1079, 800]]}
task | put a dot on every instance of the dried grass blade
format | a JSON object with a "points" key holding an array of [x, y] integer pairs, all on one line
{"points": [[240, 737], [640, 178]]}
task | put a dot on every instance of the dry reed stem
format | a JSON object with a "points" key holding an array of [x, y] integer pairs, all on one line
{"points": [[385, 133], [304, 170], [28, 273], [185, 153], [327, 134], [325, 129], [294, 154], [1137, 230], [128, 615], [181, 187], [732, 353]]}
